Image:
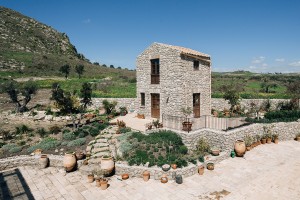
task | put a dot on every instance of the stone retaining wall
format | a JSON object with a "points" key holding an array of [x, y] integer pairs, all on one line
{"points": [[226, 140], [216, 103], [13, 162], [220, 103], [156, 172]]}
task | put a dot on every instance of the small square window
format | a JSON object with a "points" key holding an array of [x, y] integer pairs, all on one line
{"points": [[142, 99], [196, 64]]}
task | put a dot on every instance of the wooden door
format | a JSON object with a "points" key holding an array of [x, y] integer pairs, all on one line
{"points": [[155, 108], [196, 105]]}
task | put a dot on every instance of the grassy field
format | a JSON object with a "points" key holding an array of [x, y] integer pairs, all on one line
{"points": [[120, 83]]}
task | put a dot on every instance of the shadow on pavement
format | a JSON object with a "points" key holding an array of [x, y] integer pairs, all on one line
{"points": [[14, 186]]}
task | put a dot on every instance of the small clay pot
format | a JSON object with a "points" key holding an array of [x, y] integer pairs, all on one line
{"points": [[98, 182], [276, 141], [263, 141], [125, 176], [146, 176], [269, 140], [164, 178], [178, 179], [210, 166], [174, 166], [248, 148], [201, 170], [298, 138], [103, 183], [91, 178], [79, 155], [215, 152], [43, 161]]}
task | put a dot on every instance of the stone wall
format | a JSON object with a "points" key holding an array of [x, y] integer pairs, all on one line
{"points": [[220, 103], [226, 140], [129, 103], [13, 162]]}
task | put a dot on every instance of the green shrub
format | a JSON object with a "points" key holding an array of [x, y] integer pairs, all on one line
{"points": [[15, 150], [2, 144], [42, 132], [7, 147], [283, 114], [21, 143], [69, 136], [125, 130], [82, 134], [64, 143], [183, 149], [54, 129], [94, 131], [76, 143], [45, 144]]}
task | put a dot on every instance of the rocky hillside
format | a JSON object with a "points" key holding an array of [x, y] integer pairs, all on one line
{"points": [[26, 42]]}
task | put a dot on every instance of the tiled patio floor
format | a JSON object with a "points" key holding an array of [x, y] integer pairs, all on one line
{"points": [[269, 171]]}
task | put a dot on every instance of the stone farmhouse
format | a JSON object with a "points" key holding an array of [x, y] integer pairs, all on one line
{"points": [[170, 78]]}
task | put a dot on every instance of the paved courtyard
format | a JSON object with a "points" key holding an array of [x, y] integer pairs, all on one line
{"points": [[269, 171]]}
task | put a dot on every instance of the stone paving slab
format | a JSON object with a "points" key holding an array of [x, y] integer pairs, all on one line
{"points": [[270, 171]]}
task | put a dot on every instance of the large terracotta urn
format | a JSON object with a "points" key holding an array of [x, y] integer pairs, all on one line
{"points": [[43, 161], [107, 164], [69, 161], [240, 148]]}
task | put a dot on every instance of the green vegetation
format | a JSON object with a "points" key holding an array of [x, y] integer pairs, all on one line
{"points": [[278, 116], [163, 147], [45, 144]]}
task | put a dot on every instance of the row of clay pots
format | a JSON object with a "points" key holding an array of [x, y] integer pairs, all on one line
{"points": [[100, 182]]}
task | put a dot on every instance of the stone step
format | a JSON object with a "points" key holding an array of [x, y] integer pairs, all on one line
{"points": [[100, 154], [102, 140], [99, 145], [101, 149]]}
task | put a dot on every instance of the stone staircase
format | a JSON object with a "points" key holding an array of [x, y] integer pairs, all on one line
{"points": [[103, 144]]}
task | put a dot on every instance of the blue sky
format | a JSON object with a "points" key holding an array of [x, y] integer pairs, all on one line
{"points": [[254, 35]]}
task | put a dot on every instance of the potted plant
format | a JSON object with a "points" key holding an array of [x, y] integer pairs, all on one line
{"points": [[103, 183], [91, 178], [166, 167], [275, 138], [174, 166], [186, 125], [201, 170], [146, 175], [123, 111], [215, 151], [248, 142], [155, 123], [264, 139], [258, 138], [164, 178]]}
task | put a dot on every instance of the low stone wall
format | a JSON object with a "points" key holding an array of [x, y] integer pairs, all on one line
{"points": [[156, 172], [129, 103], [226, 140], [13, 162], [221, 104]]}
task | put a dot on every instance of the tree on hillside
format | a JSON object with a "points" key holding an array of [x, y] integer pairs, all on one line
{"points": [[79, 70], [86, 94], [232, 94], [111, 66], [19, 94], [266, 85], [293, 88], [65, 101], [65, 69]]}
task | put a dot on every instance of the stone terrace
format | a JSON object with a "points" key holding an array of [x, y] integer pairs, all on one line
{"points": [[269, 171]]}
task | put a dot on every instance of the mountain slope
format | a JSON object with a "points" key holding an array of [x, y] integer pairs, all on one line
{"points": [[27, 42]]}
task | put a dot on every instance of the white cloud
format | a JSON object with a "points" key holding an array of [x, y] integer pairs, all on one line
{"points": [[252, 67], [258, 60], [264, 65], [295, 64], [87, 21], [279, 59]]}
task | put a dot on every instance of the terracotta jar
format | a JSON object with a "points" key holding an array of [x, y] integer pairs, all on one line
{"points": [[69, 161], [201, 170], [107, 164], [240, 148], [146, 175], [91, 178], [263, 141], [43, 161], [125, 176], [269, 140], [210, 166], [298, 138], [98, 182], [174, 166], [276, 141], [164, 178], [103, 183]]}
